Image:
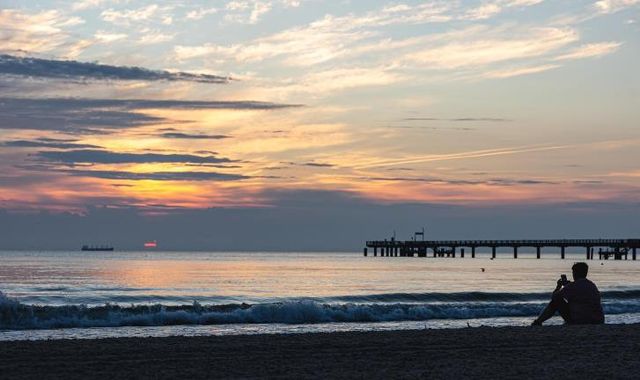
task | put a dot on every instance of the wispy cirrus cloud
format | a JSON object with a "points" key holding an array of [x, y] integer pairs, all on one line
{"points": [[39, 32], [590, 50], [518, 71], [320, 41], [75, 70], [489, 9], [494, 46]]}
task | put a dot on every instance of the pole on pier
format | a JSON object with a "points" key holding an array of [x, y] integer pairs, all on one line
{"points": [[461, 253], [588, 252], [515, 252], [375, 251], [493, 252], [473, 252], [562, 253], [633, 253], [365, 251], [537, 252]]}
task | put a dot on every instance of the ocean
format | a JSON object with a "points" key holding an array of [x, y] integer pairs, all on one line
{"points": [[59, 295]]}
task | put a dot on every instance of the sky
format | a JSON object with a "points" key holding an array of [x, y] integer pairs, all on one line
{"points": [[314, 125]]}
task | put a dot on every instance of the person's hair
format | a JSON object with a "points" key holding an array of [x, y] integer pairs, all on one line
{"points": [[580, 270]]}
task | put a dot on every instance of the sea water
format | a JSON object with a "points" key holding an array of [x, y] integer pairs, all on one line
{"points": [[52, 295]]}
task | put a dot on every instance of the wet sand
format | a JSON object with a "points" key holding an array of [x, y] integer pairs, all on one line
{"points": [[609, 351]]}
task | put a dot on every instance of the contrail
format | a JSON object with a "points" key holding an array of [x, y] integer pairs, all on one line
{"points": [[461, 155]]}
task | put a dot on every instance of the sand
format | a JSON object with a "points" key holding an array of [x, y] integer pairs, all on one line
{"points": [[573, 352]]}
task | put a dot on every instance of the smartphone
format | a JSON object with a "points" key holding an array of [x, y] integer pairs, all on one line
{"points": [[563, 278]]}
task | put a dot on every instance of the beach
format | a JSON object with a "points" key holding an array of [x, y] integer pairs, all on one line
{"points": [[606, 351]]}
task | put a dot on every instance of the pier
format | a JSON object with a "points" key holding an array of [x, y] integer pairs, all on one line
{"points": [[616, 248]]}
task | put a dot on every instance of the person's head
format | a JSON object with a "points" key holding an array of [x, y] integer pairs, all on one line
{"points": [[580, 270]]}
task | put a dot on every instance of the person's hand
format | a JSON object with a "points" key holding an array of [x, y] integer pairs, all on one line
{"points": [[559, 284]]}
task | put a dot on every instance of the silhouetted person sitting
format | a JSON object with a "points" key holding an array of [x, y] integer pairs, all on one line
{"points": [[578, 302]]}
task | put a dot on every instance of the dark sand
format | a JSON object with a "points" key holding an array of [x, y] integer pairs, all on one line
{"points": [[575, 352]]}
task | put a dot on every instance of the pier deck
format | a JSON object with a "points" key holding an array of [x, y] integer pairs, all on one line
{"points": [[449, 248]]}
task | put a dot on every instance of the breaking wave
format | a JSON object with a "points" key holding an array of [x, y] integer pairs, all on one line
{"points": [[374, 308]]}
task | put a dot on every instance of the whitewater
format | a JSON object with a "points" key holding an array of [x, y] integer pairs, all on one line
{"points": [[49, 295]]}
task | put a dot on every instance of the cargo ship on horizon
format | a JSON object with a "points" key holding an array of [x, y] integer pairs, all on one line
{"points": [[96, 248]]}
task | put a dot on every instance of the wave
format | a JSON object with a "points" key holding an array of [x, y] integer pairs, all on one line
{"points": [[15, 315], [474, 296], [122, 295]]}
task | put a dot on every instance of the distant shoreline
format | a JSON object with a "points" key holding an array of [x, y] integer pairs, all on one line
{"points": [[606, 351]]}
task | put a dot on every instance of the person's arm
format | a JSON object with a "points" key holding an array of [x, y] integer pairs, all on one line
{"points": [[558, 286]]}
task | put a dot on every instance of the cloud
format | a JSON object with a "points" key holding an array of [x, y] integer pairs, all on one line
{"points": [[591, 50], [69, 115], [322, 40], [39, 32], [126, 17], [197, 14], [94, 156], [484, 11], [246, 11], [47, 143], [156, 176], [517, 71], [610, 6], [106, 37], [311, 164], [80, 5], [483, 49], [459, 119], [95, 116], [457, 156], [75, 70], [332, 37], [489, 182], [294, 222], [180, 135], [492, 8], [151, 37]]}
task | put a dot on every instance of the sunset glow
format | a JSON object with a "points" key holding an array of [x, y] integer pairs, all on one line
{"points": [[160, 107]]}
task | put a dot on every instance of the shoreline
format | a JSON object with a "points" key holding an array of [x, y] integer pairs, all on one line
{"points": [[603, 351]]}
